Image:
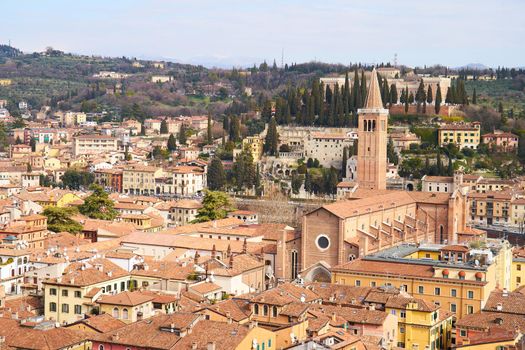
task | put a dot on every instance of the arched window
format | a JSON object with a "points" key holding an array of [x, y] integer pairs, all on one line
{"points": [[256, 309], [373, 125], [274, 311], [265, 310], [115, 313], [294, 264], [101, 347], [125, 314]]}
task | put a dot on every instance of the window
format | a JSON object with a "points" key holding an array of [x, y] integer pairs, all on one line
{"points": [[518, 280], [274, 311], [78, 294], [453, 307], [470, 294], [401, 329], [437, 291], [78, 309], [518, 267], [101, 347], [256, 309], [115, 313], [265, 310], [65, 308], [463, 333], [64, 292], [53, 307], [470, 309], [323, 242], [357, 283], [421, 289], [403, 314], [393, 312], [372, 283], [269, 343], [453, 293], [53, 291], [125, 314]]}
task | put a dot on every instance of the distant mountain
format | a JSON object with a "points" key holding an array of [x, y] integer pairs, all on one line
{"points": [[474, 66]]}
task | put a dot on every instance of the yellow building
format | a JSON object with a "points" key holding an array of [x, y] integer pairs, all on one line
{"points": [[460, 281], [463, 135], [143, 222], [517, 278], [127, 306], [69, 297], [255, 145], [420, 323], [5, 82], [140, 179], [517, 209]]}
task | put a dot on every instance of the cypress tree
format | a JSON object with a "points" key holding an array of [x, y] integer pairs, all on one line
{"points": [[450, 169], [209, 134], [182, 134], [448, 98], [500, 108], [393, 94], [357, 92], [172, 143], [216, 175], [474, 97], [363, 89], [410, 97], [430, 98], [406, 100], [386, 94], [226, 123], [272, 139], [345, 160], [164, 127], [307, 182], [439, 166], [437, 102], [258, 186]]}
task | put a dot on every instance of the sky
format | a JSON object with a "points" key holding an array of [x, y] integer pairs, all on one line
{"points": [[244, 32]]}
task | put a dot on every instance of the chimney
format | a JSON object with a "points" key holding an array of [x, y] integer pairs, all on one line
{"points": [[194, 345], [505, 292], [334, 316], [99, 267], [110, 273], [245, 246], [231, 262], [499, 307], [210, 345], [115, 337], [229, 317]]}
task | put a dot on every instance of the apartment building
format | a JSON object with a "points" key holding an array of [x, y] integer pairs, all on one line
{"points": [[490, 208], [13, 264], [29, 231], [188, 180], [455, 277], [69, 297], [463, 135], [93, 144], [140, 179]]}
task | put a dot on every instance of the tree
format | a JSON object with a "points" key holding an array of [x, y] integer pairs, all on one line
{"points": [[59, 219], [182, 134], [297, 182], [391, 153], [164, 126], [98, 205], [450, 168], [474, 97], [430, 98], [215, 206], [235, 129], [307, 182], [18, 141], [345, 160], [209, 133], [393, 94], [172, 143], [437, 102], [75, 179], [216, 175], [32, 143], [271, 141], [244, 170], [258, 185], [330, 180]]}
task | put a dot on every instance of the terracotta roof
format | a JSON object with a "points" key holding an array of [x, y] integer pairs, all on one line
{"points": [[103, 323], [487, 320], [125, 298], [148, 333], [241, 263], [401, 302], [17, 336], [510, 302], [204, 288], [238, 310], [353, 315], [295, 309], [390, 268], [89, 273], [448, 179], [456, 248], [338, 293], [225, 336], [168, 270]]}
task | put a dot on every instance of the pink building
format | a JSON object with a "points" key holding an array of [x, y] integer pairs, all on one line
{"points": [[501, 141]]}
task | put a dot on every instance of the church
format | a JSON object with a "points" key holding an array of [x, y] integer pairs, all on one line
{"points": [[373, 218]]}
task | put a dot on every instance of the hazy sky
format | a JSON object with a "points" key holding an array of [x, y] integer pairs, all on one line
{"points": [[450, 32]]}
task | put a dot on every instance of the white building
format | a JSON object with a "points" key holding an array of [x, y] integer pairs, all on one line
{"points": [[327, 148]]}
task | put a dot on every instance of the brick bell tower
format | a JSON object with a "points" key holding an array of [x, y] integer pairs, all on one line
{"points": [[372, 139]]}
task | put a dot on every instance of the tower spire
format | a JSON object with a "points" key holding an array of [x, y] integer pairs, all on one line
{"points": [[373, 98]]}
